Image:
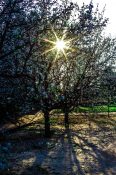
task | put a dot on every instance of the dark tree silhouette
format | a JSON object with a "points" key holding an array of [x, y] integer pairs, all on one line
{"points": [[32, 73]]}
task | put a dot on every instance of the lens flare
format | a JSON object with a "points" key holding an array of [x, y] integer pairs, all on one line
{"points": [[60, 45]]}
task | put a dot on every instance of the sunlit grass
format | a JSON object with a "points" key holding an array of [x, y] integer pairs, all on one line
{"points": [[98, 109]]}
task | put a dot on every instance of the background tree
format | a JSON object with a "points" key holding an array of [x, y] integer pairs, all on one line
{"points": [[17, 41]]}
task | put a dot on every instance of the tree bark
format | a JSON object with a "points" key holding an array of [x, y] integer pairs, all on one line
{"points": [[66, 118], [47, 124]]}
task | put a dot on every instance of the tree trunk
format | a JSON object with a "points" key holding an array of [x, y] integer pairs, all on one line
{"points": [[66, 118], [47, 124]]}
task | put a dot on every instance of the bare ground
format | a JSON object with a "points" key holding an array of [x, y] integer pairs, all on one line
{"points": [[86, 147]]}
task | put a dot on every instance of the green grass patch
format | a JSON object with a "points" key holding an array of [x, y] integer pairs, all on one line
{"points": [[103, 108]]}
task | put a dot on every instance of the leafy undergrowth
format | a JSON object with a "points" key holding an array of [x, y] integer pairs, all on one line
{"points": [[86, 147]]}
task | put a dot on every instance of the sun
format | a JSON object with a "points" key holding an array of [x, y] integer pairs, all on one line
{"points": [[60, 45]]}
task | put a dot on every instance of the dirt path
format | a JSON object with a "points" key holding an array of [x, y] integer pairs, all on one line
{"points": [[82, 149]]}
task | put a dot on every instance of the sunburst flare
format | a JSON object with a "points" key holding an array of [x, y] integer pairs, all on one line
{"points": [[60, 44]]}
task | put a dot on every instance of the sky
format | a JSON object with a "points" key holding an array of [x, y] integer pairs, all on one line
{"points": [[110, 13]]}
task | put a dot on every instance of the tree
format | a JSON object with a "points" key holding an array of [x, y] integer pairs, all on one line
{"points": [[64, 75], [17, 42], [47, 77], [108, 84]]}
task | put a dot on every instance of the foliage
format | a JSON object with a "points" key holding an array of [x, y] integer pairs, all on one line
{"points": [[31, 77]]}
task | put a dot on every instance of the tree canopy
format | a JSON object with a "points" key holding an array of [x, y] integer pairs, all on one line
{"points": [[33, 71]]}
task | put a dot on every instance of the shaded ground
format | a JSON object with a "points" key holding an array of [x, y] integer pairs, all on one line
{"points": [[87, 147]]}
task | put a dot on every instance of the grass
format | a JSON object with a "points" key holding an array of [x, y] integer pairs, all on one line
{"points": [[96, 109]]}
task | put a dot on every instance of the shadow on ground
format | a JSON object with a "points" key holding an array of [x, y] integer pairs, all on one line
{"points": [[73, 153], [75, 150]]}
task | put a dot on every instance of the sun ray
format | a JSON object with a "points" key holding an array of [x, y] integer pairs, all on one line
{"points": [[46, 40], [72, 39], [56, 56], [48, 50], [54, 33], [72, 49], [64, 53], [64, 35]]}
